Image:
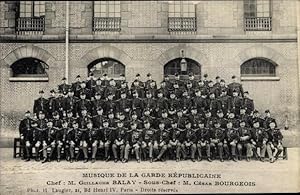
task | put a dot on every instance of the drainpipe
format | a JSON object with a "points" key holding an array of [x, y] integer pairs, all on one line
{"points": [[298, 49], [67, 43]]}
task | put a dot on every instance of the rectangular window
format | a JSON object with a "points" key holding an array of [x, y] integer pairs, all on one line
{"points": [[182, 16], [107, 16], [257, 14], [31, 17]]}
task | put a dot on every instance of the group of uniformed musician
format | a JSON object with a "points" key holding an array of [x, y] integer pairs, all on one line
{"points": [[180, 119]]}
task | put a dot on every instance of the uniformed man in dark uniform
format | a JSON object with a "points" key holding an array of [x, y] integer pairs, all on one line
{"points": [[52, 104], [93, 135], [70, 102], [222, 120], [178, 81], [83, 121], [85, 90], [202, 87], [123, 88], [217, 87], [235, 86], [223, 86], [205, 80], [96, 103], [25, 127], [209, 120], [256, 117], [105, 80], [259, 140], [121, 80], [248, 103], [168, 83], [152, 89], [232, 138], [83, 103], [180, 119], [137, 104], [91, 82], [64, 87], [217, 138], [244, 116], [108, 139], [99, 88], [133, 141], [164, 89], [161, 144], [275, 141], [98, 118], [119, 141], [268, 119], [149, 103], [149, 81], [214, 105], [192, 80], [134, 119], [232, 118], [189, 146], [147, 117], [165, 119], [177, 90], [124, 104], [76, 86], [236, 102], [39, 132], [74, 137], [111, 89], [40, 104], [185, 101], [244, 141], [49, 140], [203, 140], [199, 102], [148, 137], [61, 136], [176, 140], [194, 117], [225, 101]]}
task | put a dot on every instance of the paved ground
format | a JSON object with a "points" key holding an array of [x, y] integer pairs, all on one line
{"points": [[19, 177]]}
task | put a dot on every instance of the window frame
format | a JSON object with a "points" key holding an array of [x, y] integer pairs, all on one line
{"points": [[255, 19], [182, 16], [28, 77], [34, 5], [184, 76], [255, 74], [116, 76]]}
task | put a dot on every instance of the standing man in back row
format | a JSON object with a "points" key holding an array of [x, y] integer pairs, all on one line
{"points": [[235, 86]]}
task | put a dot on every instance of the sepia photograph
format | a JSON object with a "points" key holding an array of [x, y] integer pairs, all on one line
{"points": [[149, 97]]}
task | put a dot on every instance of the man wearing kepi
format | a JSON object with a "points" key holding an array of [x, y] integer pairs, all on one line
{"points": [[244, 141], [25, 128], [203, 136], [133, 141], [148, 137], [119, 141], [189, 146], [161, 146]]}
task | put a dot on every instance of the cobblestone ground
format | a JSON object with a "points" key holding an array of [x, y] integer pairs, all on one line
{"points": [[19, 177]]}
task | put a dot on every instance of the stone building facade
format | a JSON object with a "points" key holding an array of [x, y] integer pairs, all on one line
{"points": [[145, 43]]}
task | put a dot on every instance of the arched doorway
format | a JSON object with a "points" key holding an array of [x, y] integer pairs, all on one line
{"points": [[113, 68], [174, 66]]}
